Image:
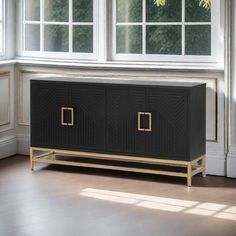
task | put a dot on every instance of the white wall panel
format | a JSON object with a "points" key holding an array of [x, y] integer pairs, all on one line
{"points": [[7, 132]]}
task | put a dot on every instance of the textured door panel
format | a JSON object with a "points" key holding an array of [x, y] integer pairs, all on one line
{"points": [[89, 102], [169, 135], [47, 98], [123, 105]]}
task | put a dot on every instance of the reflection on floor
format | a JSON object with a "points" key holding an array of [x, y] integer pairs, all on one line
{"points": [[165, 204]]}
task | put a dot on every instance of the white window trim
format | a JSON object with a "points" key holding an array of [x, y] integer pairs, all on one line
{"points": [[216, 42], [61, 55], [2, 22]]}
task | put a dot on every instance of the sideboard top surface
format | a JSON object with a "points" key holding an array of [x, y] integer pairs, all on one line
{"points": [[119, 82]]}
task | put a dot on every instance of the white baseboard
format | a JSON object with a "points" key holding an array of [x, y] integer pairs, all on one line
{"points": [[231, 167], [8, 146], [215, 165], [231, 163], [23, 144]]}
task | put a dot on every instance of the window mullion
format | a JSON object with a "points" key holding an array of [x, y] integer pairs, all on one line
{"points": [[24, 25], [183, 27], [144, 27], [41, 26], [114, 28], [100, 30], [70, 26]]}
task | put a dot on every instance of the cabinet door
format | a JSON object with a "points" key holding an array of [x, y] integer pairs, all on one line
{"points": [[47, 100], [88, 131], [169, 123], [123, 104]]}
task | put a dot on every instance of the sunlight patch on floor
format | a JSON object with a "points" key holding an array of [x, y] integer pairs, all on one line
{"points": [[110, 197], [160, 206], [206, 209], [201, 212], [220, 211]]}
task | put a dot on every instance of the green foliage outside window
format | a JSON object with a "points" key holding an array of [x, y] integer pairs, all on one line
{"points": [[165, 39], [58, 35], [202, 3]]}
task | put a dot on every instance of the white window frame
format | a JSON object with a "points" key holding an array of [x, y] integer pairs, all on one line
{"points": [[2, 23], [216, 51], [58, 55], [104, 41]]}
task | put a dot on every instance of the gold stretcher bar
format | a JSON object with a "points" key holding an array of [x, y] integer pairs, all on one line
{"points": [[192, 167]]}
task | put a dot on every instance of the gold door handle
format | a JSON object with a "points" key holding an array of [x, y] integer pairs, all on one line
{"points": [[149, 114], [71, 123], [139, 121]]}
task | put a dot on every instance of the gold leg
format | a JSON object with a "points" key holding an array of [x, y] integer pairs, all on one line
{"points": [[53, 156], [204, 166], [31, 159], [189, 177]]}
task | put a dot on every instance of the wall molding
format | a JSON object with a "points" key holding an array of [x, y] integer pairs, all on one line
{"points": [[6, 75], [8, 146], [8, 121]]}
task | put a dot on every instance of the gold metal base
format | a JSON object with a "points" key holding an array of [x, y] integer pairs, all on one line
{"points": [[49, 156]]}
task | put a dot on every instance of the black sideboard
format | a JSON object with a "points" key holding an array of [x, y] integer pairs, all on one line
{"points": [[133, 127]]}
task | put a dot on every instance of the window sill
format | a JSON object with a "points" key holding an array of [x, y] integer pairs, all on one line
{"points": [[155, 66], [7, 62]]}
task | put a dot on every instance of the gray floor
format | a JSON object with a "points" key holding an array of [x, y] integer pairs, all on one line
{"points": [[68, 201]]}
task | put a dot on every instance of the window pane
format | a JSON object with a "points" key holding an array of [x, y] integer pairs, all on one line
{"points": [[83, 38], [56, 38], [129, 10], [83, 10], [32, 10], [198, 40], [197, 13], [32, 37], [170, 12], [129, 39], [56, 10], [163, 39]]}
